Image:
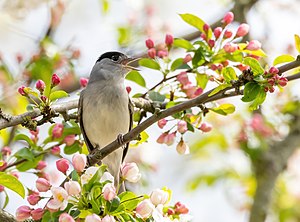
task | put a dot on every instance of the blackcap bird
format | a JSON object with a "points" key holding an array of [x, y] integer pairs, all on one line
{"points": [[105, 109]]}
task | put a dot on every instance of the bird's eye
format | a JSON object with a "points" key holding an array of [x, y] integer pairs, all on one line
{"points": [[115, 58]]}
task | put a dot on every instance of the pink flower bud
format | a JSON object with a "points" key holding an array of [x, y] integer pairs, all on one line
{"points": [[128, 89], [211, 43], [162, 138], [57, 130], [21, 91], [72, 187], [227, 34], [44, 98], [69, 140], [253, 45], [242, 30], [149, 43], [198, 92], [42, 185], [169, 40], [282, 81], [242, 67], [217, 32], [130, 172], [205, 127], [152, 53], [40, 85], [187, 58], [144, 209], [62, 165], [64, 217], [1, 188], [159, 196], [55, 150], [162, 53], [206, 27], [228, 18], [6, 151], [19, 58], [182, 126], [23, 213], [37, 214], [271, 89], [273, 70], [109, 192], [183, 78], [33, 198], [271, 81], [181, 208], [93, 218], [108, 218], [225, 63], [182, 148], [41, 165], [161, 123], [55, 80], [170, 138], [170, 211], [203, 36], [230, 47], [83, 82], [44, 175], [79, 162]]}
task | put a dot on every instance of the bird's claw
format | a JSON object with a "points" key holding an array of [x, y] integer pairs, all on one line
{"points": [[121, 139]]}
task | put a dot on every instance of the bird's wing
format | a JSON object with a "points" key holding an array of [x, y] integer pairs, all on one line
{"points": [[130, 108], [80, 110]]}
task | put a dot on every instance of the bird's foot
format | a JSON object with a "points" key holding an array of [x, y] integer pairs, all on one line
{"points": [[121, 139]]}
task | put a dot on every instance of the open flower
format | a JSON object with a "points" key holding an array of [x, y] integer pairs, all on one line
{"points": [[130, 172], [144, 209], [72, 188], [109, 192], [159, 196], [60, 199], [88, 174]]}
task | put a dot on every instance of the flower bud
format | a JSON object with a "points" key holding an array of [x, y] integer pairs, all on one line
{"points": [[6, 151], [107, 177], [253, 45], [170, 211], [230, 47], [41, 165], [62, 165], [43, 174], [205, 127], [128, 89], [161, 123], [206, 27], [273, 70], [93, 218], [33, 198], [242, 30], [162, 138], [37, 214], [162, 53], [79, 162], [170, 138], [159, 196], [182, 126], [282, 81], [21, 91], [64, 217], [149, 43], [144, 209], [44, 98], [187, 58], [40, 85], [23, 213], [182, 148], [181, 208], [55, 80], [42, 185], [109, 192], [83, 82], [69, 140], [228, 18], [217, 32], [108, 218], [72, 187], [19, 58], [203, 36], [57, 130], [55, 150], [211, 43], [152, 53], [1, 188], [227, 34], [183, 78], [242, 67], [198, 92], [169, 40], [130, 172]]}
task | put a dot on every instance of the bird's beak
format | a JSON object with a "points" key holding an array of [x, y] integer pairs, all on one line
{"points": [[126, 63]]}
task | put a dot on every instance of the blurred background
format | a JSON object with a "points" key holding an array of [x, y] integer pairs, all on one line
{"points": [[215, 181]]}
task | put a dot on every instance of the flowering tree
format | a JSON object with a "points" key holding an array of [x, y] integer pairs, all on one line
{"points": [[218, 65]]}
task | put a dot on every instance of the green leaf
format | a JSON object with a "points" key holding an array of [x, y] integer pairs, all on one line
{"points": [[282, 59], [57, 95], [254, 65], [224, 109], [143, 137], [219, 88], [12, 183], [25, 138], [136, 77], [124, 36], [31, 92], [193, 21], [129, 200], [149, 63], [251, 90], [156, 96], [229, 74], [182, 43], [25, 153], [105, 6], [72, 149], [297, 42], [198, 58], [260, 98], [29, 164], [177, 63], [202, 80], [190, 127], [87, 187]]}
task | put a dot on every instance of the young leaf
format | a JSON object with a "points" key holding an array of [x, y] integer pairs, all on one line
{"points": [[260, 98], [177, 63], [254, 65], [229, 74], [202, 80], [156, 96], [12, 183], [219, 88], [198, 58], [251, 90], [297, 42], [182, 43], [25, 138], [196, 22], [282, 59], [136, 77], [129, 200], [224, 109], [57, 95], [149, 63], [72, 149], [30, 92], [24, 153]]}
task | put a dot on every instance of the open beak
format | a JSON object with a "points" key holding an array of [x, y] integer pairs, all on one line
{"points": [[126, 63]]}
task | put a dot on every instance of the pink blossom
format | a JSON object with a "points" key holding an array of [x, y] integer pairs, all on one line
{"points": [[227, 34], [108, 218], [211, 43], [242, 67], [228, 18], [242, 30], [33, 198], [128, 89], [40, 85], [6, 151], [72, 187], [159, 196], [162, 138], [206, 27], [161, 123], [23, 213], [198, 92], [152, 53], [44, 98], [55, 150], [1, 188], [170, 138], [62, 165], [60, 199], [217, 32], [37, 214], [57, 130], [187, 58], [83, 82], [55, 80], [88, 174], [64, 217], [42, 185], [69, 140], [41, 165], [258, 124], [273, 70], [149, 43], [182, 148], [169, 40], [22, 91], [144, 209], [253, 45], [93, 218], [230, 47], [181, 208], [205, 127], [130, 172], [182, 126], [109, 192], [282, 81], [183, 78], [79, 162], [162, 53]]}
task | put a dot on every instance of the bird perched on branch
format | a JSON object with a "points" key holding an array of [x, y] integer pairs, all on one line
{"points": [[105, 109]]}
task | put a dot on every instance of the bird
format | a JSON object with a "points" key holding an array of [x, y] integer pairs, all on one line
{"points": [[105, 109]]}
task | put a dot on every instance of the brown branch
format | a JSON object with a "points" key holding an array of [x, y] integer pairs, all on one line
{"points": [[290, 65]]}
